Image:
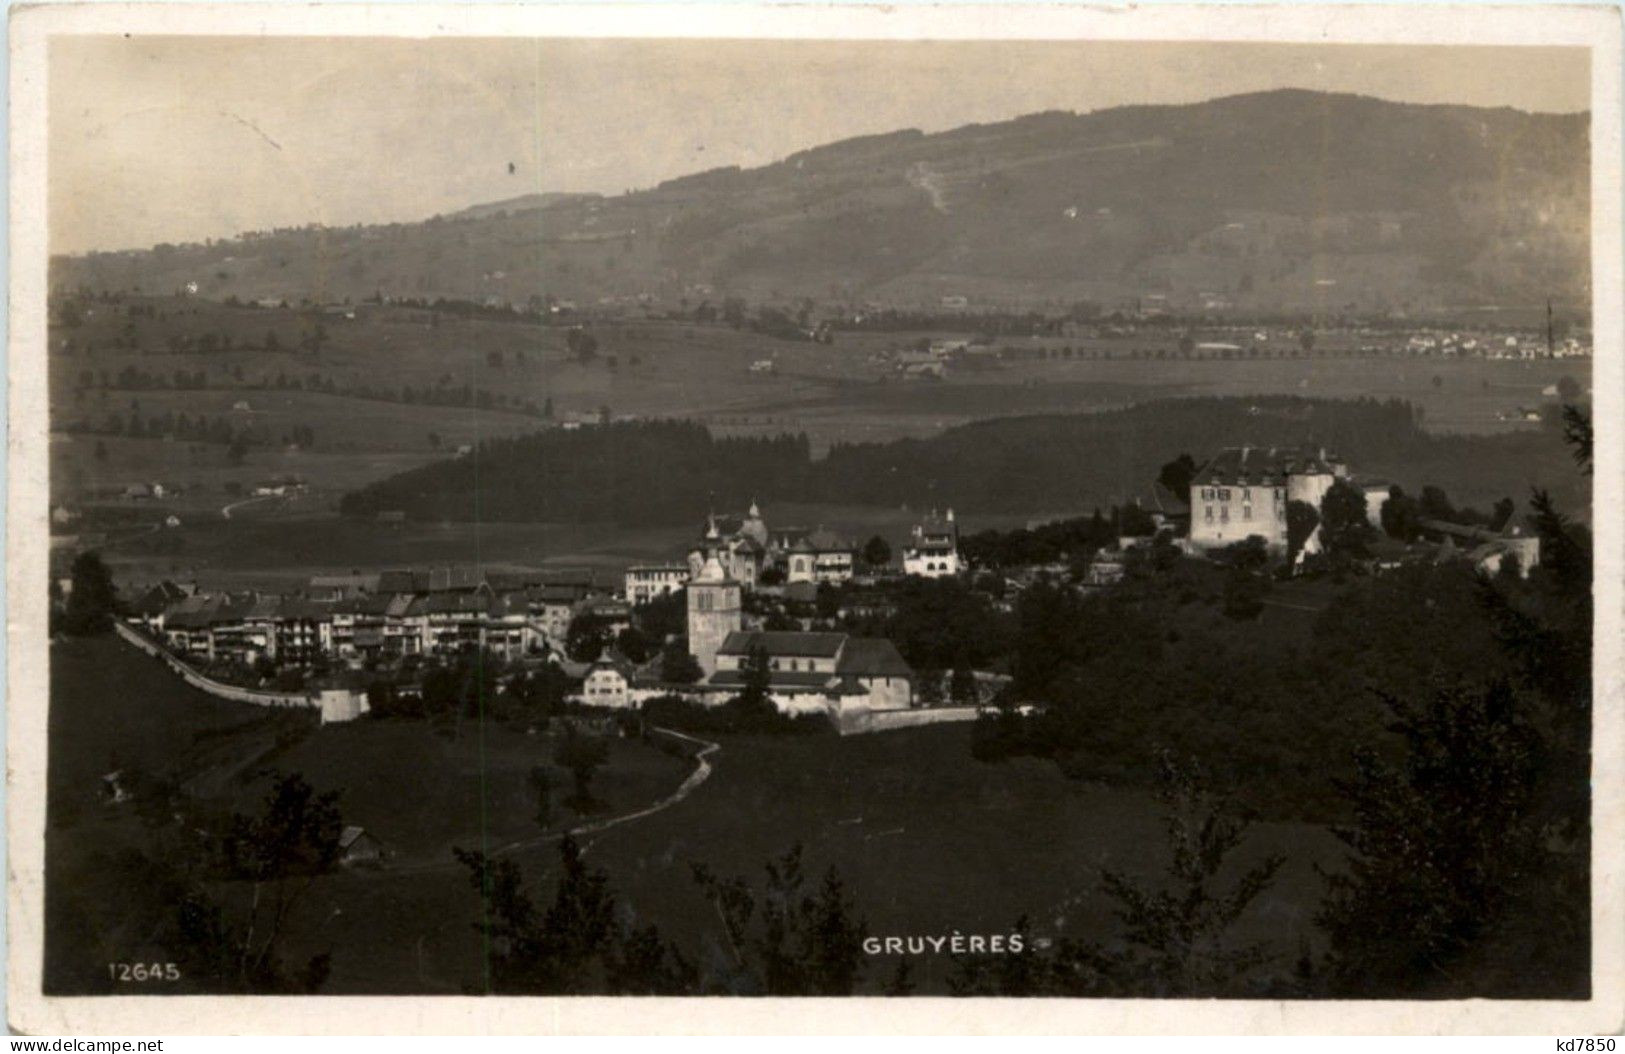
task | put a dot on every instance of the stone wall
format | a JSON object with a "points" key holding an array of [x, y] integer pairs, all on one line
{"points": [[216, 688], [858, 720]]}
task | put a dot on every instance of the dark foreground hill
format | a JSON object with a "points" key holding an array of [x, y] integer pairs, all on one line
{"points": [[669, 472], [1278, 201]]}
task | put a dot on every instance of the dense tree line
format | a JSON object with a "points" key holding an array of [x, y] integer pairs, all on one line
{"points": [[655, 472], [668, 472], [198, 429], [442, 393]]}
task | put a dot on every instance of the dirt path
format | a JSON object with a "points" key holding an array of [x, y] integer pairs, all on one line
{"points": [[225, 510], [701, 773]]}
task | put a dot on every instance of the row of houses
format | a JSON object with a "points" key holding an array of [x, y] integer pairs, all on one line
{"points": [[745, 547], [386, 614]]}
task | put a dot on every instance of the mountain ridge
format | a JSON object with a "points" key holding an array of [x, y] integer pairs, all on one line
{"points": [[1286, 199]]}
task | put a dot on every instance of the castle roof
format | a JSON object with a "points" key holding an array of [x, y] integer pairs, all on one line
{"points": [[1262, 466]]}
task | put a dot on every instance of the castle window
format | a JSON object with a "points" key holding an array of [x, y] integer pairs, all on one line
{"points": [[1207, 511], [1246, 512]]}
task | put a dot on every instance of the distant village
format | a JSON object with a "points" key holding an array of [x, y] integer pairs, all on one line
{"points": [[752, 598]]}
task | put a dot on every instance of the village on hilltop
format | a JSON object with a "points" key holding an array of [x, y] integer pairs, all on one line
{"points": [[775, 603]]}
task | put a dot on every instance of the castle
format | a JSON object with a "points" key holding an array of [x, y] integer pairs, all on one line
{"points": [[743, 547], [1244, 491]]}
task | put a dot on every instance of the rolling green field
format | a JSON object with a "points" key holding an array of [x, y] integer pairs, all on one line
{"points": [[841, 393], [929, 840]]}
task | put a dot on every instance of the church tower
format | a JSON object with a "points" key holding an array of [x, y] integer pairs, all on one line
{"points": [[714, 611]]}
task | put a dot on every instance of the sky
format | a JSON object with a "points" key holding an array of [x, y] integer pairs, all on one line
{"points": [[176, 139]]}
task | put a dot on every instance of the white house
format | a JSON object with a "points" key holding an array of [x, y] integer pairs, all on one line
{"points": [[933, 549], [645, 582], [608, 682]]}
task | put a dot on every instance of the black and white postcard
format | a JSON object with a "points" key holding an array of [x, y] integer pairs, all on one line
{"points": [[997, 518]]}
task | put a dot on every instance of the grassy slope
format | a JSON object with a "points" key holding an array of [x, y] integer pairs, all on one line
{"points": [[928, 839]]}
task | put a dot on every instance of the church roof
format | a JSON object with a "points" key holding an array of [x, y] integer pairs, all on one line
{"points": [[712, 573], [784, 642], [872, 657]]}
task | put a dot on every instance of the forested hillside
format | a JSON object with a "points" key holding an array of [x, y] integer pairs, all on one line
{"points": [[660, 472]]}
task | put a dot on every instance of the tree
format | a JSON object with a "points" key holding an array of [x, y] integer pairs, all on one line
{"points": [[1177, 474], [582, 755], [1401, 516], [541, 692], [1301, 521], [586, 638], [1577, 433], [577, 946], [1439, 834], [93, 601], [1435, 504], [1177, 932], [753, 699], [1184, 924], [1244, 593], [633, 644], [786, 940], [281, 852], [877, 552], [1568, 389], [664, 616], [677, 666], [582, 345], [1343, 523]]}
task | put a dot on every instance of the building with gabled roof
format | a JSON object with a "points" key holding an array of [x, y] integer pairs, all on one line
{"points": [[802, 660], [820, 556], [933, 549]]}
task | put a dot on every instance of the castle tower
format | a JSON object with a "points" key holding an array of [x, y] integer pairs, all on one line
{"points": [[714, 611]]}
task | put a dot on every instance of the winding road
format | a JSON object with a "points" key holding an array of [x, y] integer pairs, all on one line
{"points": [[702, 772], [225, 510]]}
